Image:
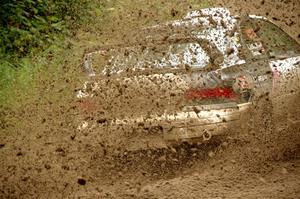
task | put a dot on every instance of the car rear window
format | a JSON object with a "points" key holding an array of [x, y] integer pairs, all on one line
{"points": [[165, 55]]}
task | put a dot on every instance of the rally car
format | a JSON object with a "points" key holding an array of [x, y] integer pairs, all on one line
{"points": [[212, 64]]}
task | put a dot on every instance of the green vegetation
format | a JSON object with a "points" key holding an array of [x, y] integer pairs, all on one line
{"points": [[30, 24], [29, 27]]}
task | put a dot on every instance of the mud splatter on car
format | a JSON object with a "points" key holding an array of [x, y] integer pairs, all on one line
{"points": [[212, 65]]}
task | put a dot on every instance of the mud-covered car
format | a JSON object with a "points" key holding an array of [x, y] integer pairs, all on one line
{"points": [[207, 67]]}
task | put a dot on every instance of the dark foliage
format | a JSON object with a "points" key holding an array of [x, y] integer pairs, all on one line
{"points": [[27, 24]]}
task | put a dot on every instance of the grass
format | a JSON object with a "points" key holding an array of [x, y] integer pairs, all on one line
{"points": [[14, 80]]}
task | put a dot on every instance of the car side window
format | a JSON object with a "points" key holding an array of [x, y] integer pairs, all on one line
{"points": [[254, 47], [264, 35]]}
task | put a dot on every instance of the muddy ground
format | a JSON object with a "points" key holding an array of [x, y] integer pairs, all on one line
{"points": [[44, 155]]}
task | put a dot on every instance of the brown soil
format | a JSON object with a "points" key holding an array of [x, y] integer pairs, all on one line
{"points": [[44, 155]]}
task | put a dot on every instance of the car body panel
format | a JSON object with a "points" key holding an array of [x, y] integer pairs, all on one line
{"points": [[217, 56]]}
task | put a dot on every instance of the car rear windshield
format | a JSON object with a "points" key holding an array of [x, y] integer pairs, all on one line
{"points": [[164, 55]]}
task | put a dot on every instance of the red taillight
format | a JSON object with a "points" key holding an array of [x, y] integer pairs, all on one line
{"points": [[210, 93]]}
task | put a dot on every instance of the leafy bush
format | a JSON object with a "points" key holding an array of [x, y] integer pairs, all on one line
{"points": [[27, 24]]}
